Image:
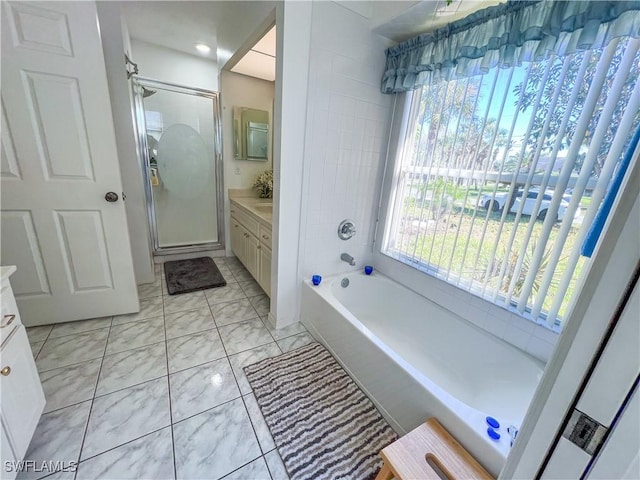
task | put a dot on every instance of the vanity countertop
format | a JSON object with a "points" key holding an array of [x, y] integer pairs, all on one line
{"points": [[252, 205]]}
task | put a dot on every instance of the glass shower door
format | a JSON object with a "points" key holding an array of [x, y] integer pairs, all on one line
{"points": [[181, 138]]}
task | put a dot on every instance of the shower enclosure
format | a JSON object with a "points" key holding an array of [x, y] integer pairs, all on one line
{"points": [[180, 145]]}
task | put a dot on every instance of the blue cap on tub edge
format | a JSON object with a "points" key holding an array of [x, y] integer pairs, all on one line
{"points": [[493, 434], [492, 422]]}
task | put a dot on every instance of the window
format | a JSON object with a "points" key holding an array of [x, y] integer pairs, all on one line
{"points": [[498, 177]]}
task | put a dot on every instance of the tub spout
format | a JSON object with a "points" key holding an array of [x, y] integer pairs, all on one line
{"points": [[345, 257]]}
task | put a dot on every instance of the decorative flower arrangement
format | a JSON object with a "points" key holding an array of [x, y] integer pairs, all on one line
{"points": [[264, 184]]}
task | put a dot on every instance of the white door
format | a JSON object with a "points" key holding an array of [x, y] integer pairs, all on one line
{"points": [[602, 437], [59, 160]]}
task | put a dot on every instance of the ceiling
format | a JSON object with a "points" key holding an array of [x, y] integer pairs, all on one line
{"points": [[260, 61], [180, 25], [176, 25], [428, 15]]}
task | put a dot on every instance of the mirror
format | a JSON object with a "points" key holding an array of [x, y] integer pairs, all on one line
{"points": [[250, 134]]}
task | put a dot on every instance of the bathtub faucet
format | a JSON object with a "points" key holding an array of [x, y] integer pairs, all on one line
{"points": [[345, 257]]}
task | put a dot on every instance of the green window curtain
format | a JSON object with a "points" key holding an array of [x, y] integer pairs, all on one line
{"points": [[507, 35]]}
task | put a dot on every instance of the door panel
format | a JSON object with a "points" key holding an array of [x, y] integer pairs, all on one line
{"points": [[40, 29], [180, 130], [237, 239], [82, 237], [568, 462], [59, 159], [252, 247], [19, 237], [265, 270], [624, 444], [610, 403], [9, 168], [63, 145], [616, 371]]}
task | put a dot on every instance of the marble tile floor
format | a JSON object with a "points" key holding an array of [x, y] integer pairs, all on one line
{"points": [[161, 393]]}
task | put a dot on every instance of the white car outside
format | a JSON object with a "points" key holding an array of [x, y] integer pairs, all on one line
{"points": [[499, 201]]}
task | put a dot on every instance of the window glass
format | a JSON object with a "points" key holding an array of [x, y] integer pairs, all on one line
{"points": [[552, 131]]}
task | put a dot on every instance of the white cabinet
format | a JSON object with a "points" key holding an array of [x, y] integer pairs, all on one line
{"points": [[264, 269], [238, 244], [21, 396], [264, 259], [251, 243], [244, 244]]}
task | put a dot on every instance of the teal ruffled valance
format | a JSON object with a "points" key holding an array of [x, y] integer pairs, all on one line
{"points": [[506, 35]]}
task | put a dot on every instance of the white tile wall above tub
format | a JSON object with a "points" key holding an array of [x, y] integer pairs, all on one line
{"points": [[543, 333], [520, 323], [347, 127], [540, 348]]}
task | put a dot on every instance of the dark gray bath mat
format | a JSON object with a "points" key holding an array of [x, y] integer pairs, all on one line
{"points": [[190, 275], [324, 426]]}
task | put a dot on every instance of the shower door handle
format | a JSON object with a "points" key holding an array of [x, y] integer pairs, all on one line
{"points": [[111, 197]]}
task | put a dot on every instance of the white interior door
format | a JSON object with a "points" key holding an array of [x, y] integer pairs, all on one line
{"points": [[59, 159], [602, 438]]}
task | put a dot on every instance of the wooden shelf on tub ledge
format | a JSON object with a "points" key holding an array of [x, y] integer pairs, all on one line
{"points": [[415, 455]]}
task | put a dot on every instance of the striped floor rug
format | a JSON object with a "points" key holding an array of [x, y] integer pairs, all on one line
{"points": [[321, 422]]}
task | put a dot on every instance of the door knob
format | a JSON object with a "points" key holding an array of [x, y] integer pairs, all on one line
{"points": [[6, 371], [111, 197]]}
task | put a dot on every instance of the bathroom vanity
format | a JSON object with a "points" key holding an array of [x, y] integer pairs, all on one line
{"points": [[250, 225], [21, 397]]}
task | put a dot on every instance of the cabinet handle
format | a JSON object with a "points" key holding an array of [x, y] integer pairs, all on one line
{"points": [[236, 225], [9, 320], [6, 371], [258, 247], [266, 237]]}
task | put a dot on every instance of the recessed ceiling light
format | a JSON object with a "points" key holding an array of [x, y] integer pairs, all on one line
{"points": [[202, 48]]}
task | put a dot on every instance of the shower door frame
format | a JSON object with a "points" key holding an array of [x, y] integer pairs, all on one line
{"points": [[143, 147]]}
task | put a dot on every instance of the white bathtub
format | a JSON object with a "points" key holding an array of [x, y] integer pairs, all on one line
{"points": [[417, 360]]}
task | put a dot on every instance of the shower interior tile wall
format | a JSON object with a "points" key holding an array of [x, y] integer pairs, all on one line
{"points": [[347, 127]]}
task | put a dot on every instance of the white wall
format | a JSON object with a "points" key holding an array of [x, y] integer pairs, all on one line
{"points": [[241, 91], [115, 44], [293, 21], [346, 137], [166, 65], [330, 124]]}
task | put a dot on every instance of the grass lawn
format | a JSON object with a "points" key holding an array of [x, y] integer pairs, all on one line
{"points": [[458, 241]]}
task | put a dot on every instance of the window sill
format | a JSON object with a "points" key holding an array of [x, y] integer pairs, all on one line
{"points": [[534, 337]]}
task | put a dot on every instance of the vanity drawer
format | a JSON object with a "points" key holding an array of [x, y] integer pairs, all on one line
{"points": [[9, 318], [265, 235], [251, 224]]}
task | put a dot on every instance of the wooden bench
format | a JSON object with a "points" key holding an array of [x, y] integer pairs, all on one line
{"points": [[424, 451]]}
